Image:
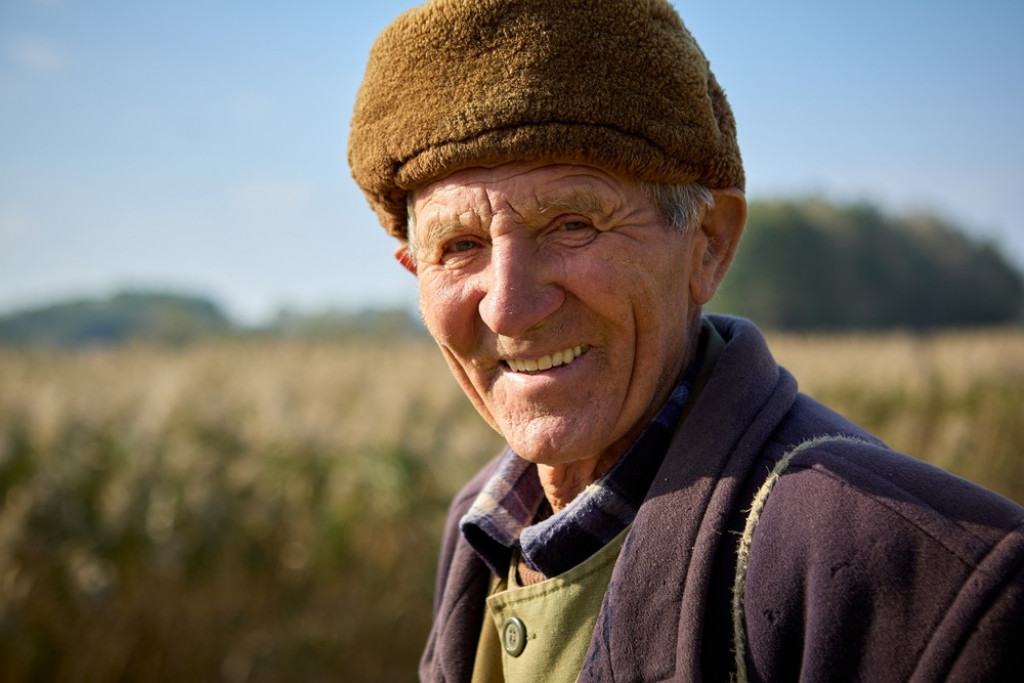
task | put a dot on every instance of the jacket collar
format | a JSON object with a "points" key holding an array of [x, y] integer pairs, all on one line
{"points": [[678, 530]]}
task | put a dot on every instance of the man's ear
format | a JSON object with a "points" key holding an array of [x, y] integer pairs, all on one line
{"points": [[719, 235], [403, 256]]}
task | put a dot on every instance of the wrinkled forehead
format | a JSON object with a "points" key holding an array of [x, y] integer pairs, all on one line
{"points": [[523, 189]]}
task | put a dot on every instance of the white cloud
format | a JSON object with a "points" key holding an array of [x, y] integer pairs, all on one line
{"points": [[35, 53], [15, 224]]}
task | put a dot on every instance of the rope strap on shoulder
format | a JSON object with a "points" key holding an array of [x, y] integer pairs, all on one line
{"points": [[743, 552]]}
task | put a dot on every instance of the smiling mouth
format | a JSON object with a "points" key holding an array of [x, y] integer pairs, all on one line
{"points": [[554, 360]]}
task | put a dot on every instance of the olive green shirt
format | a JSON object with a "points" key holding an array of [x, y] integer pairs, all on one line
{"points": [[541, 632]]}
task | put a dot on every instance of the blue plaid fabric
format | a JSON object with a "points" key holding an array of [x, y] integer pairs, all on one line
{"points": [[507, 510]]}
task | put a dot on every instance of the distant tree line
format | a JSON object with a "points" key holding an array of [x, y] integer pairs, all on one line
{"points": [[176, 319], [801, 265], [812, 265]]}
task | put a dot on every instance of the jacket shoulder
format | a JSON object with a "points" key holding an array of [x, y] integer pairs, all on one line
{"points": [[459, 506], [891, 562], [458, 595]]}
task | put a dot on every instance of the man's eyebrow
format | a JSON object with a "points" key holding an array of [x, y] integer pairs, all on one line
{"points": [[582, 201], [439, 230]]}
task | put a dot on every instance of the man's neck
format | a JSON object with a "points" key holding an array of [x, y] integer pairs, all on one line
{"points": [[562, 483]]}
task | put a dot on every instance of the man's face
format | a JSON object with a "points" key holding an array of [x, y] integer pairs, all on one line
{"points": [[559, 297]]}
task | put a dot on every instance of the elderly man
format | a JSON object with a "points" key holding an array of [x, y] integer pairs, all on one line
{"points": [[565, 184]]}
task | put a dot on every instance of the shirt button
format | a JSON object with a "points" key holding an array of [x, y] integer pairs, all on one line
{"points": [[513, 636]]}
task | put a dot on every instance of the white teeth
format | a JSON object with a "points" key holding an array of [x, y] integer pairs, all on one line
{"points": [[563, 357]]}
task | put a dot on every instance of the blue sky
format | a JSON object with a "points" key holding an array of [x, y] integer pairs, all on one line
{"points": [[200, 146]]}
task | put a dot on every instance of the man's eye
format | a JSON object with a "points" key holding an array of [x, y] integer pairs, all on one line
{"points": [[575, 225], [461, 245]]}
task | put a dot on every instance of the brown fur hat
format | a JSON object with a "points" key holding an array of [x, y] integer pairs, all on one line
{"points": [[617, 84]]}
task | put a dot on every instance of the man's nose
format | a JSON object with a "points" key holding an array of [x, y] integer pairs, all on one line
{"points": [[520, 290]]}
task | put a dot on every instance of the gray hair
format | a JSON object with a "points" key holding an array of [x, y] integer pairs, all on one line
{"points": [[410, 225], [681, 206]]}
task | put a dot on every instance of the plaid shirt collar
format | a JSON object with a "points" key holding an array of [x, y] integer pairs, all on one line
{"points": [[506, 511]]}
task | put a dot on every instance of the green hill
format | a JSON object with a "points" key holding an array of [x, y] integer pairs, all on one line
{"points": [[141, 316], [166, 318]]}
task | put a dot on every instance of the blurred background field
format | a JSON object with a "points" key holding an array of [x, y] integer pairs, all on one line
{"points": [[231, 511], [254, 493], [268, 509]]}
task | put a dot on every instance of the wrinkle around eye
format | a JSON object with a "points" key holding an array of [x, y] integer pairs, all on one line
{"points": [[459, 252], [573, 233]]}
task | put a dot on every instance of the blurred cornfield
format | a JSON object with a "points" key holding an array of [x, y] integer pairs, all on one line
{"points": [[266, 510]]}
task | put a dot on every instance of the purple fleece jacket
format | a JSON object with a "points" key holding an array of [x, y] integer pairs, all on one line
{"points": [[865, 565]]}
